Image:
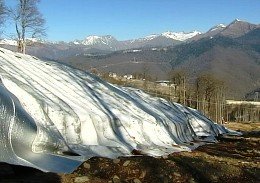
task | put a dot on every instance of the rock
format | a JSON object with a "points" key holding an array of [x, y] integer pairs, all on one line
{"points": [[165, 157], [143, 174], [116, 179], [126, 163], [116, 161], [86, 165], [192, 180], [177, 174], [137, 181], [81, 179]]}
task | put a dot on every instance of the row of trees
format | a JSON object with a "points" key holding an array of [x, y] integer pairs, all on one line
{"points": [[206, 93], [27, 20]]}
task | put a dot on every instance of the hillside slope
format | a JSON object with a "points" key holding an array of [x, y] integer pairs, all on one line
{"points": [[235, 63]]}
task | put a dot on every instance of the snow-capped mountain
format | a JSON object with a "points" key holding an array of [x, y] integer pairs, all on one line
{"points": [[110, 43], [235, 29], [176, 36], [54, 117], [238, 28], [8, 42], [95, 40], [153, 40], [217, 27], [13, 42], [105, 44], [181, 36], [146, 38], [164, 39]]}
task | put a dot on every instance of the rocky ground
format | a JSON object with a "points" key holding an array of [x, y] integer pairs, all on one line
{"points": [[233, 159]]}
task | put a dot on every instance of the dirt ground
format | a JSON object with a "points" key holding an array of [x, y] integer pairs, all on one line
{"points": [[232, 159]]}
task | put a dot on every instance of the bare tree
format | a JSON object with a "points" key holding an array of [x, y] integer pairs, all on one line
{"points": [[179, 77], [146, 77], [210, 96], [28, 22], [2, 12]]}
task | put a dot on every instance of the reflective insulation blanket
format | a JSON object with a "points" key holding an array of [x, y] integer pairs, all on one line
{"points": [[54, 117]]}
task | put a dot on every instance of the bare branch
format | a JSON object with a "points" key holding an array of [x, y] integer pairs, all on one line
{"points": [[28, 22]]}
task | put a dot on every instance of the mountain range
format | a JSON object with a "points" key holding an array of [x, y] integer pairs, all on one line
{"points": [[230, 52], [105, 44], [98, 44]]}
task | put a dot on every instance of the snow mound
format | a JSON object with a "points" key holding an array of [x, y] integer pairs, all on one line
{"points": [[53, 117]]}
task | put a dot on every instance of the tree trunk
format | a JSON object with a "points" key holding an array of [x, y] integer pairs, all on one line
{"points": [[24, 45], [19, 46]]}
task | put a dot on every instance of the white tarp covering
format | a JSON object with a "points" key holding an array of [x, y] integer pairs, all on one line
{"points": [[53, 117]]}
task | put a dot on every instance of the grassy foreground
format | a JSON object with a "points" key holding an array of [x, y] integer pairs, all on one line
{"points": [[233, 159]]}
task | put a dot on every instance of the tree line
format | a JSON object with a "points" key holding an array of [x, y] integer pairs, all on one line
{"points": [[26, 18], [205, 93]]}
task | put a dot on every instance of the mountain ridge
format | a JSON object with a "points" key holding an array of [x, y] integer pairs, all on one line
{"points": [[109, 43], [234, 29], [235, 60], [106, 39]]}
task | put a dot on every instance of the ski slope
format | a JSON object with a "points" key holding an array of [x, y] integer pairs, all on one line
{"points": [[54, 117]]}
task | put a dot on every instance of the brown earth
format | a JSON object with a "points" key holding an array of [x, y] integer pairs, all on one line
{"points": [[232, 159]]}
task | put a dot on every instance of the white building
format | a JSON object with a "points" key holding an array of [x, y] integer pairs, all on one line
{"points": [[128, 76], [112, 75]]}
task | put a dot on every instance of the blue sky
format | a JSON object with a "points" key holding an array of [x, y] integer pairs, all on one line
{"points": [[127, 19]]}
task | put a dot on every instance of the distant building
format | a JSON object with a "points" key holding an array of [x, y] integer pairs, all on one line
{"points": [[112, 75], [128, 76], [242, 111], [242, 102], [165, 83]]}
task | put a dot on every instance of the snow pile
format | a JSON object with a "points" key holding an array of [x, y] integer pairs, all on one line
{"points": [[53, 117]]}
